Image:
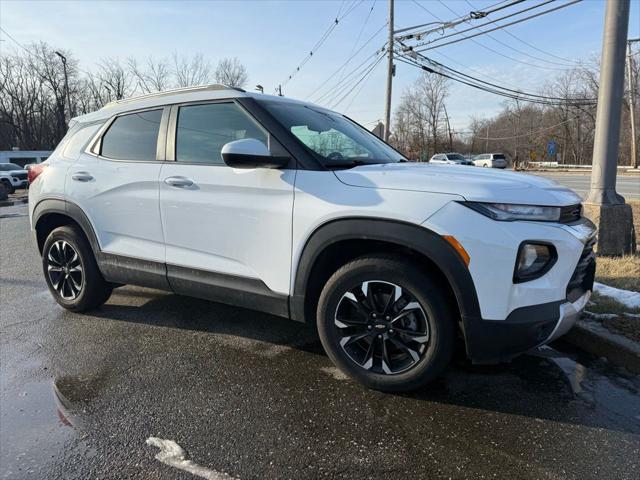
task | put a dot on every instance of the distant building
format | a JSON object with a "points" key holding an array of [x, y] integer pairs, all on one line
{"points": [[24, 157]]}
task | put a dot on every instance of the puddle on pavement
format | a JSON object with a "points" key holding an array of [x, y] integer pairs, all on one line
{"points": [[597, 382], [41, 421], [33, 432]]}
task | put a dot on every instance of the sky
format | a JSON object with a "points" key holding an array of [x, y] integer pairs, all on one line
{"points": [[271, 38]]}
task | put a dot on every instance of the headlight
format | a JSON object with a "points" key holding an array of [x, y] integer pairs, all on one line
{"points": [[533, 261], [508, 212]]}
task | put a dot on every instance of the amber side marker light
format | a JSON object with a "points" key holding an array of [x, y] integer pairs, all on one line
{"points": [[458, 248]]}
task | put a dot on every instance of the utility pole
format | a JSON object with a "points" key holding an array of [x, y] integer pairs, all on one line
{"points": [[66, 81], [387, 106], [632, 103], [604, 206], [486, 143], [448, 128]]}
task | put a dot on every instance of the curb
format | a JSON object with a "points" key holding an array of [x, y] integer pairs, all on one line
{"points": [[9, 203], [591, 336]]}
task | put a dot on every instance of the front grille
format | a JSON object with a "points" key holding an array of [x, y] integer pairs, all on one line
{"points": [[584, 274], [570, 213], [19, 176]]}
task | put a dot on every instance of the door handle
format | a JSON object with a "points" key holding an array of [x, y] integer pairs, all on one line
{"points": [[82, 177], [179, 182]]}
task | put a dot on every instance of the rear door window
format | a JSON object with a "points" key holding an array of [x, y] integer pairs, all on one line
{"points": [[133, 137]]}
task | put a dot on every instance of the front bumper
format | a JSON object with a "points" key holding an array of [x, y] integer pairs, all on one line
{"points": [[490, 341]]}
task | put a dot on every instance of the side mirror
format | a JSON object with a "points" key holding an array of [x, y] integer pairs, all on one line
{"points": [[250, 153]]}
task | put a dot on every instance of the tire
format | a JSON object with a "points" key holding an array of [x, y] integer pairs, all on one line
{"points": [[71, 271], [8, 187], [417, 316]]}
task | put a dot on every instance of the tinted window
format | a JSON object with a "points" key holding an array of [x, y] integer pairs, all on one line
{"points": [[132, 137], [498, 156], [455, 156], [79, 140], [204, 129]]}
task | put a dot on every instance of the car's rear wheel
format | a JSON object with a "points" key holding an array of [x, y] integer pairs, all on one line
{"points": [[386, 323], [71, 271]]}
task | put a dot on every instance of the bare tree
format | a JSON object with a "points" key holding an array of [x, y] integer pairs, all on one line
{"points": [[33, 98], [189, 72], [231, 72], [115, 78], [154, 76]]}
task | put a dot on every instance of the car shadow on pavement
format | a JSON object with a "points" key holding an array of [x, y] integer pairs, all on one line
{"points": [[550, 384], [163, 309]]}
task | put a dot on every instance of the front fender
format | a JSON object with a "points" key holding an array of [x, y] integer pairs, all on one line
{"points": [[417, 238]]}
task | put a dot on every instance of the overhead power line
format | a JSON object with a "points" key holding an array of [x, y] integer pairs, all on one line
{"points": [[362, 79], [336, 91], [321, 41], [457, 21], [36, 55], [447, 72], [511, 47], [524, 42], [339, 69], [486, 47], [496, 28], [529, 134]]}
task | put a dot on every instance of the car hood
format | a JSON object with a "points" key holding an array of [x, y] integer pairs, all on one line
{"points": [[474, 184]]}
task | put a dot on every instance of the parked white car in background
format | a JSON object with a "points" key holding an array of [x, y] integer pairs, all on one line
{"points": [[192, 191], [490, 160], [450, 159], [13, 177]]}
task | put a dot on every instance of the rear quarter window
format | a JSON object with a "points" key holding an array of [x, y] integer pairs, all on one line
{"points": [[79, 140], [132, 137]]}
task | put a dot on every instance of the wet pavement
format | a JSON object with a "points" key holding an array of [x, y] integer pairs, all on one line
{"points": [[254, 396]]}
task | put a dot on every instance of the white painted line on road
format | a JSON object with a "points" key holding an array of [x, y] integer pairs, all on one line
{"points": [[173, 455]]}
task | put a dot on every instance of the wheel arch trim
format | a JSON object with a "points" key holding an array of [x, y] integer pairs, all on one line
{"points": [[417, 238], [69, 209]]}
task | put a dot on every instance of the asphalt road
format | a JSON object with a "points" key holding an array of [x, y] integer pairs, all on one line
{"points": [[255, 397], [626, 185]]}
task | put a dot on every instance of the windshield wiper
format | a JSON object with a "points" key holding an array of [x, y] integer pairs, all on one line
{"points": [[347, 163]]}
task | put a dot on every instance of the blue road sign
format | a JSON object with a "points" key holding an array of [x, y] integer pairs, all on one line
{"points": [[551, 148]]}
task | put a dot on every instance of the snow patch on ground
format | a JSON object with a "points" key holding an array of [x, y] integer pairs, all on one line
{"points": [[600, 316], [174, 455], [335, 373], [626, 297]]}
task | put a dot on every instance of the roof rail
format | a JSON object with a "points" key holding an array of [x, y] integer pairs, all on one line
{"points": [[199, 88]]}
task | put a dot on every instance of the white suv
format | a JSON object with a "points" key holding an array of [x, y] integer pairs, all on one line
{"points": [[13, 176], [288, 208], [490, 160]]}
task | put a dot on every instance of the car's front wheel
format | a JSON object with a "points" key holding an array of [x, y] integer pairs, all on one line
{"points": [[386, 323], [8, 187], [71, 272]]}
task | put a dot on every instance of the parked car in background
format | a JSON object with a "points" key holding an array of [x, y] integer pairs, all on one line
{"points": [[490, 160], [450, 159], [13, 176]]}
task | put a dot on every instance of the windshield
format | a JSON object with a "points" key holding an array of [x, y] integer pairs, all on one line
{"points": [[335, 140], [6, 167], [455, 157]]}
